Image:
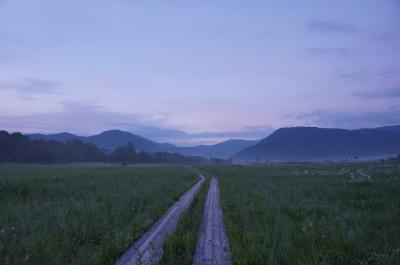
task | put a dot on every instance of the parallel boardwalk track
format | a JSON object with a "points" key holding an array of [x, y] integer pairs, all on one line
{"points": [[148, 249]]}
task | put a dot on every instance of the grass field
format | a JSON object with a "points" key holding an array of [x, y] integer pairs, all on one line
{"points": [[312, 214], [81, 214], [277, 214]]}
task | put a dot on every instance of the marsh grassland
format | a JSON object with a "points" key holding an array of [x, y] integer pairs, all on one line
{"points": [[274, 214], [312, 213], [81, 214]]}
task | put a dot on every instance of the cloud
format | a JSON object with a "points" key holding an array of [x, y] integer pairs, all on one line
{"points": [[386, 36], [31, 85], [351, 120], [327, 27], [75, 117], [328, 51], [379, 93], [382, 73], [86, 119]]}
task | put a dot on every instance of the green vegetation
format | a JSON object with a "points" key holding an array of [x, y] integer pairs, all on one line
{"points": [[179, 248], [277, 214], [81, 214], [17, 148], [312, 213]]}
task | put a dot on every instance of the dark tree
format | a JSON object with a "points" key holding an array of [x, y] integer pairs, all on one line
{"points": [[18, 148], [126, 154]]}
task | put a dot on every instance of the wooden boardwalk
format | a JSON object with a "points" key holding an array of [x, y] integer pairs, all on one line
{"points": [[148, 249], [212, 243]]}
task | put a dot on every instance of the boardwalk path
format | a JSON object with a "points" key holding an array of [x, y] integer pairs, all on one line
{"points": [[148, 248], [212, 244]]}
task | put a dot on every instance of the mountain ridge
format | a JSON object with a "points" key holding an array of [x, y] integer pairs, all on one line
{"points": [[285, 144], [112, 139], [313, 143]]}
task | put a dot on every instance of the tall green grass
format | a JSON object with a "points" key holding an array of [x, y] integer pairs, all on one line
{"points": [[311, 214], [81, 214]]}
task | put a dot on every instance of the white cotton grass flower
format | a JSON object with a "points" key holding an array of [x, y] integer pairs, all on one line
{"points": [[307, 225], [360, 176]]}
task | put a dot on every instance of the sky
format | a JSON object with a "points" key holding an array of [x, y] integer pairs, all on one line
{"points": [[190, 72]]}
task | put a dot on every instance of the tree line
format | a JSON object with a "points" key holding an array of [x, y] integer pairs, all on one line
{"points": [[18, 148]]}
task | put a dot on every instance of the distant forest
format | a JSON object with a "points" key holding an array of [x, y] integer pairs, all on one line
{"points": [[17, 148]]}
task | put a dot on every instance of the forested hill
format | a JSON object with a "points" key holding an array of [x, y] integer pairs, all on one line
{"points": [[115, 138], [105, 140], [17, 148]]}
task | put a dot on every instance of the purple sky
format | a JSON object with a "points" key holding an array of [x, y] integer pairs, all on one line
{"points": [[192, 72]]}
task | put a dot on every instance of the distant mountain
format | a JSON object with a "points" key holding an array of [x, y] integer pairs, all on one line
{"points": [[311, 143], [221, 150], [393, 129], [115, 138], [60, 137], [107, 140]]}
